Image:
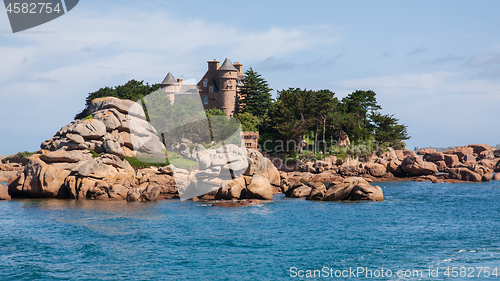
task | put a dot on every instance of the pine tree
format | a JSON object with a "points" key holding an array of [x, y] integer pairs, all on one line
{"points": [[255, 95]]}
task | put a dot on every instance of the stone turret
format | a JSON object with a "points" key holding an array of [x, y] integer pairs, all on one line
{"points": [[227, 87]]}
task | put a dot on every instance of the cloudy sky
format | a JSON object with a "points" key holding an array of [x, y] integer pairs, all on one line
{"points": [[434, 64]]}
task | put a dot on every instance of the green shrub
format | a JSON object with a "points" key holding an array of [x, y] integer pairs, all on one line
{"points": [[94, 154], [90, 117], [307, 155], [19, 155]]}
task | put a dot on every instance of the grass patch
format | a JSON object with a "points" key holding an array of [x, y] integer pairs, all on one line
{"points": [[183, 163], [94, 154], [173, 158], [180, 162], [138, 164]]}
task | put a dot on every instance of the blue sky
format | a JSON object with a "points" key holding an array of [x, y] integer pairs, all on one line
{"points": [[434, 64]]}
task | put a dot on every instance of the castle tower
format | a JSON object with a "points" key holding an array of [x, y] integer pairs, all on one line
{"points": [[170, 86], [219, 87], [227, 75]]}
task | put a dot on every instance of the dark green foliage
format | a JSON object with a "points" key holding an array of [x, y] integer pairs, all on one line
{"points": [[249, 122], [133, 90], [214, 112], [18, 156], [183, 119], [255, 95], [358, 104], [291, 115], [387, 130], [318, 114]]}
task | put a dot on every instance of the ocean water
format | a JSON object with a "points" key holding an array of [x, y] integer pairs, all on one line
{"points": [[420, 230]]}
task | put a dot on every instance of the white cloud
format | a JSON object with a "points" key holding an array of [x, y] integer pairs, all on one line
{"points": [[48, 71], [143, 44]]}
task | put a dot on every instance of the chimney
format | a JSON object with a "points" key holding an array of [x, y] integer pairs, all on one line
{"points": [[238, 66], [180, 81], [213, 65]]}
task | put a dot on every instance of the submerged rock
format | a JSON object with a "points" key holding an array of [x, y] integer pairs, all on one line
{"points": [[237, 203]]}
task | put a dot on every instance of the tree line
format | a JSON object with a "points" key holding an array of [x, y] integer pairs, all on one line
{"points": [[295, 114]]}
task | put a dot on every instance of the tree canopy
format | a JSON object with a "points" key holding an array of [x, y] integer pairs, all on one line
{"points": [[295, 114], [132, 90], [359, 103], [387, 130], [255, 94]]}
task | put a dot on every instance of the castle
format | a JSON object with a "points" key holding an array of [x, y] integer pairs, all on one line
{"points": [[219, 87]]}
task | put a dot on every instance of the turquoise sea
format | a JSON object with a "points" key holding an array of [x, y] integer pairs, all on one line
{"points": [[421, 230]]}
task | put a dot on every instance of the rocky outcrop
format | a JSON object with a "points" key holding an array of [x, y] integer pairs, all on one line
{"points": [[376, 170], [478, 148], [402, 164], [460, 151], [8, 176], [366, 192], [471, 172], [115, 127], [434, 157], [4, 193], [259, 188], [354, 189], [468, 159], [229, 172], [464, 174], [302, 191], [86, 158], [352, 169], [415, 166], [425, 151], [451, 160], [318, 191], [260, 165], [40, 179], [342, 138]]}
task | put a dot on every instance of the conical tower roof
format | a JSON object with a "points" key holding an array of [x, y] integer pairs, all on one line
{"points": [[228, 65], [169, 80]]}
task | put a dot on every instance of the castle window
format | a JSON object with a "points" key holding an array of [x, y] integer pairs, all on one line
{"points": [[206, 82], [205, 100], [211, 89], [229, 87], [229, 83]]}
